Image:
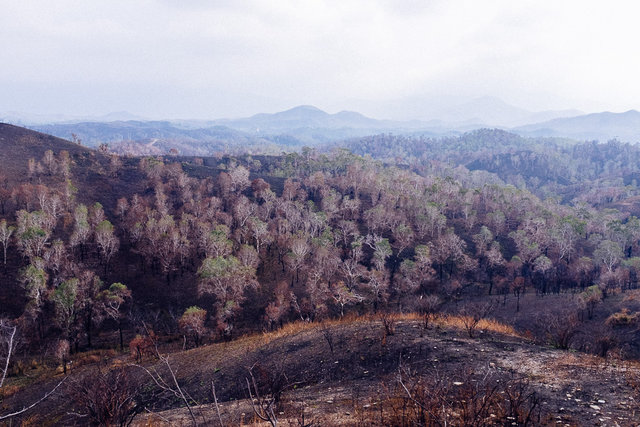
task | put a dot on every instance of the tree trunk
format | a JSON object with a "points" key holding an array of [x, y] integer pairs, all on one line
{"points": [[120, 331], [88, 327]]}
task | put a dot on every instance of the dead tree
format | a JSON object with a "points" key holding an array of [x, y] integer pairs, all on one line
{"points": [[8, 339], [263, 405], [170, 385]]}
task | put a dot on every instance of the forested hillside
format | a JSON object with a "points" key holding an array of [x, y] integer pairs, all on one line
{"points": [[597, 173], [100, 251]]}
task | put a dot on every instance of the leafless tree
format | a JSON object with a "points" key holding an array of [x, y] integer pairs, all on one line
{"points": [[7, 346], [5, 235], [473, 313], [169, 385], [265, 393], [7, 340]]}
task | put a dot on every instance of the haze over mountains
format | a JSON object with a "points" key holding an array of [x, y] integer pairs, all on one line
{"points": [[600, 126], [308, 125]]}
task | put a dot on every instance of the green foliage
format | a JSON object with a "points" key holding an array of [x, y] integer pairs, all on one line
{"points": [[117, 287], [592, 293], [194, 310], [105, 227], [578, 225], [65, 298], [65, 294], [116, 293], [33, 233], [34, 280], [218, 267]]}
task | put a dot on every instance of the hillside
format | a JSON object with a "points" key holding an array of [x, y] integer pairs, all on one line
{"points": [[546, 166], [18, 144], [358, 382], [91, 172], [351, 372], [105, 251]]}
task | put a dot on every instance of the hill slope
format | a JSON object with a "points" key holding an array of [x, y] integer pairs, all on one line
{"points": [[600, 126], [17, 144], [355, 379], [352, 373], [90, 172]]}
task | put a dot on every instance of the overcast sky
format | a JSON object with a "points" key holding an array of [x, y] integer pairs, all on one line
{"points": [[384, 58]]}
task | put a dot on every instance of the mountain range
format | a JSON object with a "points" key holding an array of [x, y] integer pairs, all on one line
{"points": [[308, 125], [494, 112]]}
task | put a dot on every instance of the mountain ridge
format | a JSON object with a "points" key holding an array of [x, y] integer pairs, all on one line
{"points": [[601, 126], [308, 125]]}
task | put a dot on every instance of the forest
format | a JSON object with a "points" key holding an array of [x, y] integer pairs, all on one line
{"points": [[102, 251]]}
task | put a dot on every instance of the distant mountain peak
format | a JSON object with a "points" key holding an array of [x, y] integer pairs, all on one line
{"points": [[305, 108]]}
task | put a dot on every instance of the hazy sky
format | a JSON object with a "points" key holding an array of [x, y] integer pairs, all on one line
{"points": [[384, 58]]}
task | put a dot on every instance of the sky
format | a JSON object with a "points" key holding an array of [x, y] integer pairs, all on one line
{"points": [[394, 59]]}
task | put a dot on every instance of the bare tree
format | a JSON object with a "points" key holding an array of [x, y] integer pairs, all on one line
{"points": [[5, 235], [8, 340], [473, 313], [263, 407], [170, 385], [265, 393], [107, 241]]}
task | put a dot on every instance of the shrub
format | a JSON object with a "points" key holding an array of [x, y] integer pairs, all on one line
{"points": [[108, 397], [462, 398], [560, 328], [192, 323], [142, 346], [623, 318]]}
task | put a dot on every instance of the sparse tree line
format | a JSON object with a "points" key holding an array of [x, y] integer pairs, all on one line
{"points": [[342, 233]]}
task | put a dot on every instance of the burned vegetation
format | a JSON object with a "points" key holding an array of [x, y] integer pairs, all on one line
{"points": [[248, 288]]}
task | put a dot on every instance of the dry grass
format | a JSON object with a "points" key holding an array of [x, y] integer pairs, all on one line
{"points": [[92, 356], [255, 341], [252, 342], [491, 325], [8, 390]]}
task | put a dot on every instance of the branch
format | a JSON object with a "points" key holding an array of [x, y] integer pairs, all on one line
{"points": [[10, 350], [265, 405], [184, 398], [162, 383], [25, 409], [157, 415], [215, 399], [411, 398]]}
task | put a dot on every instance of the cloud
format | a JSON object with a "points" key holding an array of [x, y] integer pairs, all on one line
{"points": [[242, 57]]}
